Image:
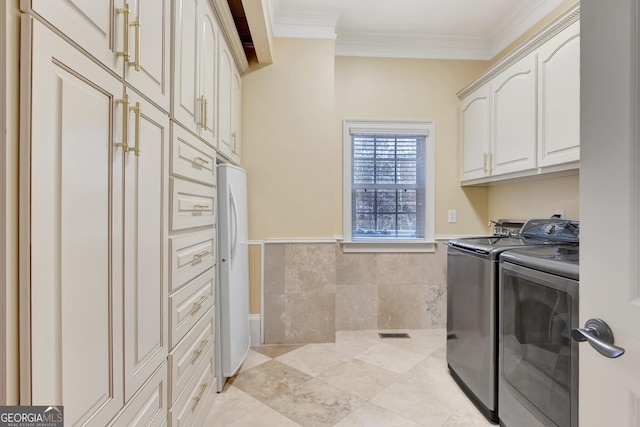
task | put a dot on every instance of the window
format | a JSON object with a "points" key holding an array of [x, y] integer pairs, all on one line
{"points": [[388, 186]]}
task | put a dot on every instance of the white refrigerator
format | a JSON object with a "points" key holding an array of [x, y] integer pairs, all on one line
{"points": [[232, 290]]}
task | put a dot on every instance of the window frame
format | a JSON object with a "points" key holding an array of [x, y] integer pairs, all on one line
{"points": [[369, 244]]}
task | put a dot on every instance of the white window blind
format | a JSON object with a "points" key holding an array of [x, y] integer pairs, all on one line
{"points": [[388, 181]]}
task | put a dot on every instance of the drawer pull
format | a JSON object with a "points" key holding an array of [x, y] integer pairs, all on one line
{"points": [[197, 399], [201, 300], [200, 255], [200, 206], [200, 160], [197, 352]]}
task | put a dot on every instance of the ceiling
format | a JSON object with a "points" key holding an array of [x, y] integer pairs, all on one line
{"points": [[451, 29]]}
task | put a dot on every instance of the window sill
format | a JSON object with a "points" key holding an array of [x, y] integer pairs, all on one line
{"points": [[386, 246]]}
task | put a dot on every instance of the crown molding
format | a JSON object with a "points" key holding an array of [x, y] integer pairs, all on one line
{"points": [[409, 45], [309, 25], [322, 24], [532, 43]]}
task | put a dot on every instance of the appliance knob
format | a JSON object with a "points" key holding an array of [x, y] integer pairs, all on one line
{"points": [[549, 229]]}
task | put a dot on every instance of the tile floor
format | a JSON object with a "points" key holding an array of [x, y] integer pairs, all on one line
{"points": [[360, 380]]}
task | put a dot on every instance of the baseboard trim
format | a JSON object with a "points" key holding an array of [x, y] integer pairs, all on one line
{"points": [[255, 328]]}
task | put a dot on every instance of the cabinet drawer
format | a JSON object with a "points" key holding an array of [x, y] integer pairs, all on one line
{"points": [[192, 205], [192, 158], [149, 406], [189, 304], [187, 355], [191, 255], [200, 387]]}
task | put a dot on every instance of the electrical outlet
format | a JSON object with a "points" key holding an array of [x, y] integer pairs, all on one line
{"points": [[452, 216]]}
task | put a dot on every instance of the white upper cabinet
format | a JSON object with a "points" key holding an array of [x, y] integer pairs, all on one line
{"points": [[147, 69], [559, 98], [475, 133], [513, 145], [229, 105], [522, 117], [236, 112], [92, 25], [195, 48], [131, 38]]}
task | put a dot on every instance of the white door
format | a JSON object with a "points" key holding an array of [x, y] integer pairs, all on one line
{"points": [[559, 98], [224, 100], [145, 269], [513, 94], [475, 128], [610, 194], [208, 52], [236, 113], [149, 41], [75, 229], [186, 101], [96, 26]]}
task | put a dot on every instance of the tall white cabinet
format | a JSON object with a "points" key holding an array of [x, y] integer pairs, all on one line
{"points": [[98, 233], [118, 195]]}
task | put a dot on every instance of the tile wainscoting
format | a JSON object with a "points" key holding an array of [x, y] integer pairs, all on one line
{"points": [[312, 290]]}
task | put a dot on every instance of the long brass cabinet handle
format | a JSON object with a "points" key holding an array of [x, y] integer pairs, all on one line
{"points": [[200, 121], [126, 11], [233, 135], [484, 162], [490, 162], [125, 124], [203, 387], [200, 301], [137, 25], [200, 160], [137, 110], [201, 254], [197, 352], [205, 113]]}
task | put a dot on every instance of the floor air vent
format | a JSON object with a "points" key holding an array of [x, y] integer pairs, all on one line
{"points": [[393, 335]]}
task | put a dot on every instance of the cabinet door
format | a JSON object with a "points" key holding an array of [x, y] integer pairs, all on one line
{"points": [[224, 100], [145, 253], [475, 133], [186, 101], [96, 26], [208, 42], [514, 118], [75, 227], [236, 111], [149, 47], [559, 98]]}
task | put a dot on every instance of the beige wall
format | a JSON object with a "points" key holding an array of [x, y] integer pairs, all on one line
{"points": [[535, 198], [287, 132], [292, 134]]}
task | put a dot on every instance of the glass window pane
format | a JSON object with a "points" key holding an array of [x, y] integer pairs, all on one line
{"points": [[407, 201], [365, 200], [364, 225], [386, 200], [386, 224]]}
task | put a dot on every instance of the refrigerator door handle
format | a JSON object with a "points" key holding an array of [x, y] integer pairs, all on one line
{"points": [[234, 219]]}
